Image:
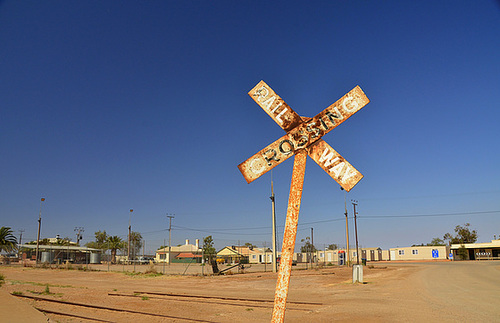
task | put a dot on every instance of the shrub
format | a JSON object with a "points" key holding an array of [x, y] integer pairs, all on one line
{"points": [[151, 269]]}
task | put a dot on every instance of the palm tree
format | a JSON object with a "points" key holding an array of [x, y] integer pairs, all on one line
{"points": [[8, 242], [114, 243]]}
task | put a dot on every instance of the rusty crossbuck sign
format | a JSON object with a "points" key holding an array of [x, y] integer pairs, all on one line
{"points": [[303, 138]]}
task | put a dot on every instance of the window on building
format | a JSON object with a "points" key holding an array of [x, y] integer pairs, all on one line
{"points": [[414, 252], [254, 256], [321, 255], [401, 252]]}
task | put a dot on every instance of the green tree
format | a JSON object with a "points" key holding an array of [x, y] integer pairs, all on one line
{"points": [[250, 245], [209, 252], [100, 242], [8, 242], [332, 246], [308, 246], [44, 241], [463, 253], [135, 244], [463, 235], [63, 242], [115, 243], [437, 242]]}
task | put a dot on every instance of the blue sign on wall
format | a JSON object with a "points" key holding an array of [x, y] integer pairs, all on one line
{"points": [[435, 253]]}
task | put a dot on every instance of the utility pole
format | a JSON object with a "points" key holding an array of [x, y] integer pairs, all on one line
{"points": [[170, 217], [347, 258], [312, 247], [273, 202], [79, 236], [21, 236], [265, 260], [129, 235], [354, 203], [165, 257], [39, 226]]}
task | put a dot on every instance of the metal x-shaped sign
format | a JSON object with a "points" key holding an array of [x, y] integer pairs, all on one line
{"points": [[303, 138], [304, 133]]}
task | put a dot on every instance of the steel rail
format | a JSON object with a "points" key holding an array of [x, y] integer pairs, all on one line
{"points": [[179, 299], [226, 298], [110, 308], [70, 315]]}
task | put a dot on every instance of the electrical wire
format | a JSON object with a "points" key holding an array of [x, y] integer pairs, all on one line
{"points": [[425, 215], [360, 217]]}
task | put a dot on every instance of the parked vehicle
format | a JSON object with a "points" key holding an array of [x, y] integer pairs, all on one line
{"points": [[145, 260]]}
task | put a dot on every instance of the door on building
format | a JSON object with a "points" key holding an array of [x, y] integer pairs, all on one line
{"points": [[372, 255], [472, 254], [393, 255]]}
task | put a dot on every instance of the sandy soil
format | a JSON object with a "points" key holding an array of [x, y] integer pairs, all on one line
{"points": [[443, 291]]}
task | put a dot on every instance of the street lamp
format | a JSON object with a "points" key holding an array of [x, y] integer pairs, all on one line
{"points": [[39, 226]]}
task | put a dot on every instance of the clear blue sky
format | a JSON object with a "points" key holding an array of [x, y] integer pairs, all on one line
{"points": [[108, 106]]}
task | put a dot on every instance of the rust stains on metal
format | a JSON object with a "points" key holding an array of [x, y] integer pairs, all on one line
{"points": [[292, 218], [335, 165], [268, 158], [274, 106], [303, 135]]}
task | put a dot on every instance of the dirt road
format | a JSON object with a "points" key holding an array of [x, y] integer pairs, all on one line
{"points": [[435, 292], [463, 289]]}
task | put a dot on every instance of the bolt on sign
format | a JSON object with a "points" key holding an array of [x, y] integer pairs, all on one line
{"points": [[302, 138]]}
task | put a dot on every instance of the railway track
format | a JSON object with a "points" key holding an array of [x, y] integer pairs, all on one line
{"points": [[225, 298], [230, 301], [72, 305], [98, 313]]}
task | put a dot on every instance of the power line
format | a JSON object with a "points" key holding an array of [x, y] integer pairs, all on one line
{"points": [[426, 215], [305, 225], [229, 229], [219, 230], [428, 196]]}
